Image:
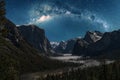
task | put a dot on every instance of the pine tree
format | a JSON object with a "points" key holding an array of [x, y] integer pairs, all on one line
{"points": [[8, 68], [3, 30], [2, 12]]}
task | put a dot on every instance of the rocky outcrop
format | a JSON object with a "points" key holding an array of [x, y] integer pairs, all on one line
{"points": [[36, 37], [92, 37]]}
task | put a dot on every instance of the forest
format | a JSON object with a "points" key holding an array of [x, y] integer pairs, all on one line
{"points": [[102, 72]]}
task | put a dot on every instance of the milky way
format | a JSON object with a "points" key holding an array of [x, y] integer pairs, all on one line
{"points": [[67, 19]]}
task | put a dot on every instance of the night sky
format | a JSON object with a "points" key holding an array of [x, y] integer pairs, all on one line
{"points": [[66, 19]]}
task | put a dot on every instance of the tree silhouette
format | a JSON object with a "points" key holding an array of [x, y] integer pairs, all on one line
{"points": [[2, 14], [3, 30]]}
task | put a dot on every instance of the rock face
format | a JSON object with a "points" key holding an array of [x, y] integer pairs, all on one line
{"points": [[36, 37], [13, 33], [108, 45], [92, 37]]}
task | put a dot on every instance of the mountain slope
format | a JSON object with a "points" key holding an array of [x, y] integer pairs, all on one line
{"points": [[36, 37], [81, 45], [109, 45], [106, 47], [18, 49]]}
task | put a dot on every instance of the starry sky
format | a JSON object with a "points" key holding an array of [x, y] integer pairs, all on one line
{"points": [[66, 19]]}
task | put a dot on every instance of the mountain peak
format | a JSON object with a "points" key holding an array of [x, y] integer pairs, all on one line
{"points": [[92, 36]]}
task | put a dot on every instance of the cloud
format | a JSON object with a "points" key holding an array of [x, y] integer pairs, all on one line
{"points": [[43, 18]]}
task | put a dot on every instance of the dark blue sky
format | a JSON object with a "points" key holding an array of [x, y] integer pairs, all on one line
{"points": [[65, 19]]}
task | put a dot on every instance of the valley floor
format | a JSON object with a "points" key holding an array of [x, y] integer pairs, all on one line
{"points": [[64, 58]]}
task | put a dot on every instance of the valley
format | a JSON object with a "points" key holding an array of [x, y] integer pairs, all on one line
{"points": [[66, 58], [59, 40]]}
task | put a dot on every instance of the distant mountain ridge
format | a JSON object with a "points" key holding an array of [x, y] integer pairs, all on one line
{"points": [[64, 46]]}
